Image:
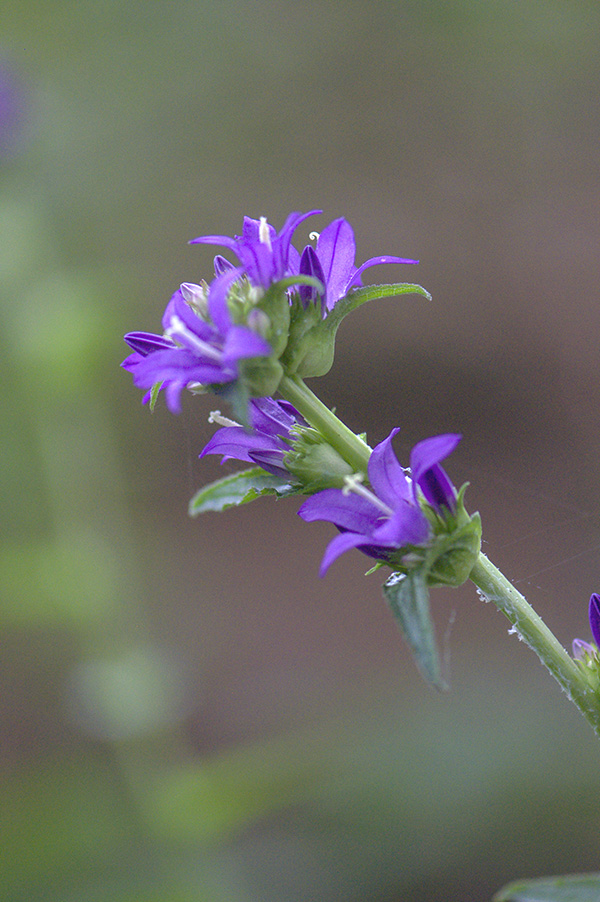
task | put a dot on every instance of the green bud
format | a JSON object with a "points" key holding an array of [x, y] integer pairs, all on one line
{"points": [[260, 375], [452, 556], [315, 463], [276, 307]]}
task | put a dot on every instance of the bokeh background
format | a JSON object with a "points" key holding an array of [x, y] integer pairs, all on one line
{"points": [[188, 713]]}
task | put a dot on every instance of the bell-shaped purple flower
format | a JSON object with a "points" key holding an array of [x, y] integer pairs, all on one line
{"points": [[198, 346], [332, 262], [389, 516], [265, 256], [265, 443]]}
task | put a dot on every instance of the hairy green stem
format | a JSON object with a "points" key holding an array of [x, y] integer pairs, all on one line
{"points": [[534, 632], [352, 448]]}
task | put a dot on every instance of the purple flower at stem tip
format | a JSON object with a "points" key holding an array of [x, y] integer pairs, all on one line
{"points": [[332, 262], [387, 517], [266, 256]]}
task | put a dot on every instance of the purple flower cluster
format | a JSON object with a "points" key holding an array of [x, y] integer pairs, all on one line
{"points": [[201, 345], [389, 516], [209, 331]]}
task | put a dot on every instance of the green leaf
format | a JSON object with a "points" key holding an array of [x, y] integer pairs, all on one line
{"points": [[311, 345], [408, 598], [360, 296], [572, 888], [240, 488]]}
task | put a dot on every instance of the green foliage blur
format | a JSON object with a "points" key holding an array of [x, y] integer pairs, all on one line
{"points": [[188, 713]]}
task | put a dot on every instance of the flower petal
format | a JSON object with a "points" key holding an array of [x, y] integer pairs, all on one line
{"points": [[595, 617], [145, 343], [217, 299], [310, 265], [180, 365], [241, 342], [386, 475], [428, 475], [349, 512], [407, 526], [338, 546], [336, 250], [355, 278], [235, 442]]}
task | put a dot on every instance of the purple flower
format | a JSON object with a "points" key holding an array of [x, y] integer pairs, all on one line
{"points": [[388, 517], [594, 613], [332, 262], [201, 345], [266, 256], [267, 442], [14, 109], [581, 649]]}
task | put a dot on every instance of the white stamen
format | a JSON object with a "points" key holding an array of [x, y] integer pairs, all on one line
{"points": [[264, 235], [313, 236], [216, 417], [178, 328], [353, 483]]}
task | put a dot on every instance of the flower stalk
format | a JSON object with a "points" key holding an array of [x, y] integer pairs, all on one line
{"points": [[495, 587], [349, 446]]}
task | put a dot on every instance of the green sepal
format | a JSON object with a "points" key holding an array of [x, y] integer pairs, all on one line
{"points": [[408, 597], [311, 344], [275, 303], [314, 462], [240, 488], [259, 376], [456, 545], [154, 392], [571, 888]]}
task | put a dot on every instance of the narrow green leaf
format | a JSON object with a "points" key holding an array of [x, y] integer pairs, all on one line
{"points": [[360, 296], [571, 888], [408, 598], [239, 488]]}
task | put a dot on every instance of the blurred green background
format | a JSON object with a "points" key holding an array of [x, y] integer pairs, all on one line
{"points": [[188, 713]]}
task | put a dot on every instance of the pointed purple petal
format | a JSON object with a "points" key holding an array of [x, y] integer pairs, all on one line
{"points": [[408, 526], [336, 250], [217, 299], [179, 365], [241, 342], [270, 417], [180, 309], [310, 265], [221, 265], [386, 475], [349, 512], [145, 343], [222, 240], [428, 475], [338, 545], [355, 279], [235, 442], [595, 617]]}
